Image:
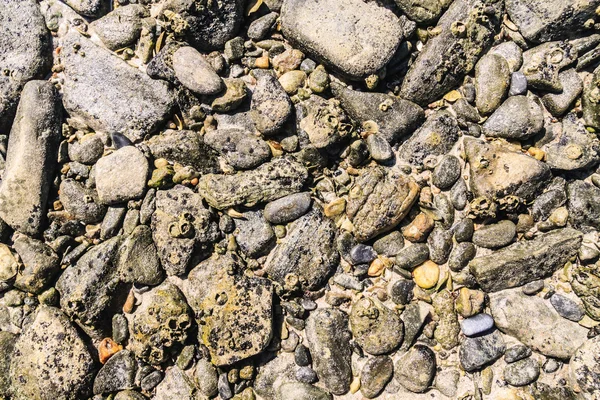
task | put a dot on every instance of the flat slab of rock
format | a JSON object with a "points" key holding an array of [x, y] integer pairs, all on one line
{"points": [[89, 8], [121, 27], [110, 95], [25, 51], [526, 261], [31, 158], [121, 176], [356, 38], [534, 322], [380, 198], [50, 360], [584, 369]]}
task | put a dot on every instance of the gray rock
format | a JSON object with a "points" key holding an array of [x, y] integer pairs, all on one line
{"points": [[176, 385], [559, 103], [308, 253], [415, 370], [225, 391], [240, 322], [536, 324], [446, 381], [271, 106], [348, 281], [460, 256], [137, 260], [186, 148], [519, 117], [447, 172], [31, 158], [260, 27], [476, 324], [117, 374], [492, 78], [379, 148], [480, 351], [376, 328], [518, 84], [550, 20], [254, 235], [511, 52], [270, 181], [583, 205], [401, 292], [87, 150], [542, 64], [121, 176], [7, 345], [362, 254], [447, 329], [584, 369], [426, 81], [25, 53], [590, 100], [235, 94], [379, 199], [288, 208], [394, 117], [375, 375], [329, 344], [555, 196], [321, 122], [516, 353], [574, 148], [306, 375], [241, 149], [532, 288], [422, 11], [120, 329], [463, 230], [274, 373], [80, 202], [526, 261], [110, 95], [122, 27], [435, 137], [346, 39], [89, 8], [40, 265], [390, 244], [302, 391], [440, 245], [206, 378], [195, 72], [522, 372], [150, 381], [497, 171], [567, 308], [412, 256], [496, 235], [67, 368]]}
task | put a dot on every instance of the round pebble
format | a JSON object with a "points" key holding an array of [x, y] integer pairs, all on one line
{"points": [[477, 324], [427, 275]]}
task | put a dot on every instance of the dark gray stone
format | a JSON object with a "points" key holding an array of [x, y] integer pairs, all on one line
{"points": [[40, 265], [518, 118], [478, 352], [241, 149], [412, 256], [447, 172], [375, 375], [288, 208], [254, 235], [516, 353], [80, 202], [567, 308], [496, 235], [117, 374]]}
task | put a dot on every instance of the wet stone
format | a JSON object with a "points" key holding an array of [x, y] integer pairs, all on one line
{"points": [[377, 329], [401, 292]]}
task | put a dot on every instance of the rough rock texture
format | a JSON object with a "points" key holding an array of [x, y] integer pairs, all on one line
{"points": [[121, 176], [376, 328], [241, 149], [584, 372], [121, 27]]}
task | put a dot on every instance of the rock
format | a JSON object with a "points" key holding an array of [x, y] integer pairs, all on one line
{"points": [[206, 378], [412, 256], [241, 149], [239, 324], [463, 230], [470, 302], [558, 104], [121, 176], [447, 172], [440, 245], [321, 122], [401, 292], [195, 72], [511, 52], [584, 369], [8, 264], [67, 368], [379, 148], [435, 137], [292, 81], [542, 64], [181, 225], [523, 372], [137, 260], [415, 370], [422, 11], [270, 181], [81, 203], [159, 323], [516, 353], [567, 308], [117, 374], [274, 373], [31, 158], [7, 344], [551, 20], [87, 150], [427, 275], [329, 344], [492, 79], [518, 118], [496, 235], [271, 106], [536, 324], [460, 256], [301, 391], [254, 235], [426, 81], [362, 254], [375, 375], [512, 173], [346, 38], [446, 381], [380, 198], [307, 255], [574, 148], [208, 28], [122, 27], [25, 53], [176, 385], [447, 330], [394, 117], [532, 288], [477, 324], [585, 283], [518, 84], [40, 265], [376, 328], [288, 208], [590, 100], [187, 148], [582, 204], [235, 94], [108, 94], [390, 244], [526, 261], [480, 351], [260, 27], [225, 391]]}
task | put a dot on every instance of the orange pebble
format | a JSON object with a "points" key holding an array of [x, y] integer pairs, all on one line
{"points": [[107, 349]]}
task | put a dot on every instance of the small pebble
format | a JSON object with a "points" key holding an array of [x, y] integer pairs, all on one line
{"points": [[477, 324]]}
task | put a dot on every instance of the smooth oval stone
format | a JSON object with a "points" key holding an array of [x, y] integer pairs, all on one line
{"points": [[495, 235], [522, 372], [447, 172], [519, 117], [477, 324], [362, 254], [379, 148], [518, 84], [567, 308], [288, 208], [492, 77], [195, 72], [516, 353], [412, 256]]}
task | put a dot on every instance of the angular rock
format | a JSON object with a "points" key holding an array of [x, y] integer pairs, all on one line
{"points": [[110, 95], [526, 261], [584, 370], [31, 158], [478, 352], [187, 148], [275, 373], [50, 360], [40, 265], [415, 370], [542, 64], [518, 118], [394, 117], [329, 344], [271, 106], [234, 311], [376, 328], [268, 182], [321, 122], [535, 323], [559, 103], [122, 27], [449, 56], [574, 149], [307, 254], [80, 202], [590, 100], [121, 176], [380, 198], [241, 149], [176, 385], [195, 72], [492, 79], [346, 38], [137, 260], [117, 374], [288, 208]]}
